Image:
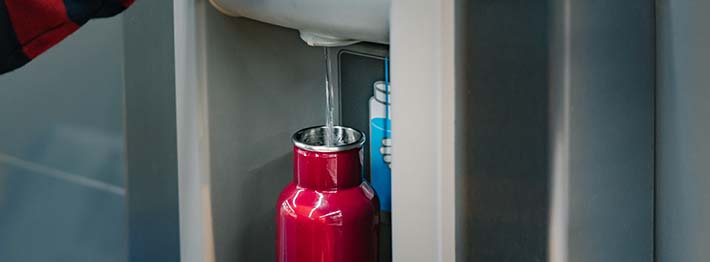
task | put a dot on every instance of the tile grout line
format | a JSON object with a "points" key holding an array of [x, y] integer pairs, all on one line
{"points": [[61, 175]]}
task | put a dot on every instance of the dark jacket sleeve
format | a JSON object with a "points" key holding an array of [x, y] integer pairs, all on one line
{"points": [[30, 27]]}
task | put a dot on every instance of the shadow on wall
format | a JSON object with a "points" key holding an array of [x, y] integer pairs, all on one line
{"points": [[269, 176], [252, 115]]}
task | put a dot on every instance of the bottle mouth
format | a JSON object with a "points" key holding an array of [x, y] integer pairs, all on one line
{"points": [[314, 139]]}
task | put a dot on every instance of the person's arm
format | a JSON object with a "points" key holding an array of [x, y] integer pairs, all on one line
{"points": [[30, 27]]}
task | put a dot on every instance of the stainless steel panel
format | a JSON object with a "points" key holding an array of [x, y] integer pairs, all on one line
{"points": [[62, 192], [64, 110], [47, 216], [153, 223], [504, 177], [604, 67], [683, 178], [559, 102]]}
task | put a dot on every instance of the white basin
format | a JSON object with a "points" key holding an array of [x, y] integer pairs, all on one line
{"points": [[321, 22]]}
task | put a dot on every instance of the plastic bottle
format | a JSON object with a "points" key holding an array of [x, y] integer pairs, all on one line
{"points": [[381, 144]]}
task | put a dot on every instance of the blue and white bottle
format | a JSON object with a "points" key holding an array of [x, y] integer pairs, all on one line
{"points": [[381, 144]]}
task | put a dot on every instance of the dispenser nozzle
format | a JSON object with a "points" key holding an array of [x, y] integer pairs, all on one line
{"points": [[317, 39]]}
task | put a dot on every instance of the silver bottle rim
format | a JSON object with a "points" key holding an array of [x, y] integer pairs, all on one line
{"points": [[313, 139]]}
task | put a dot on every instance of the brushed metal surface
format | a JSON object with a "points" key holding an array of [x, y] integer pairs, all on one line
{"points": [[606, 68], [151, 149], [683, 198], [559, 103], [504, 177]]}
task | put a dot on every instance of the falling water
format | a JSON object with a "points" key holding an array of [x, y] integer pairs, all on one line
{"points": [[329, 103]]}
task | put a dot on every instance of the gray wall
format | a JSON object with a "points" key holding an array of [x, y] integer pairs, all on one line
{"points": [[264, 83], [683, 115], [62, 189]]}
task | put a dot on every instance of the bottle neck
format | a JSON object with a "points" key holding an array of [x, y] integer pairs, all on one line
{"points": [[327, 171]]}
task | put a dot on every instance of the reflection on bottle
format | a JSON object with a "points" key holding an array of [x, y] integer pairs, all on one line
{"points": [[381, 144]]}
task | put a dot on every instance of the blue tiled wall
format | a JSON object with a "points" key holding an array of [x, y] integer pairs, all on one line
{"points": [[62, 189]]}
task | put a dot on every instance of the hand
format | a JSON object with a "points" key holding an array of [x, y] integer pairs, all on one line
{"points": [[386, 151]]}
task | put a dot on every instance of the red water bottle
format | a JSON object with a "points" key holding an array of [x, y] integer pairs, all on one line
{"points": [[328, 213]]}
